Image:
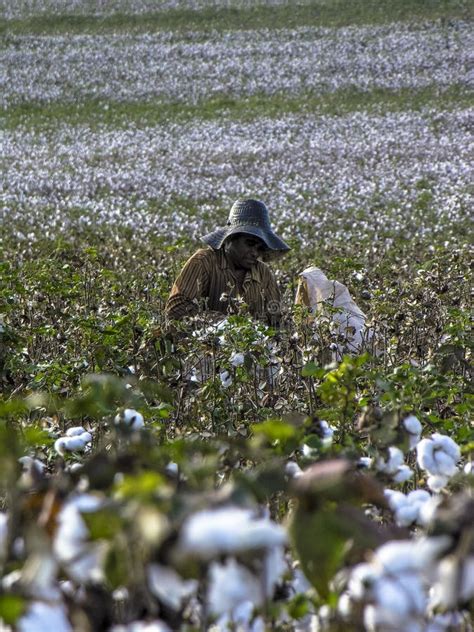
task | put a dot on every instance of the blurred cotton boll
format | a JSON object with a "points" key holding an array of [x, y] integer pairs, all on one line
{"points": [[82, 560], [209, 533], [130, 418], [413, 426], [73, 443], [230, 585], [43, 617], [237, 359]]}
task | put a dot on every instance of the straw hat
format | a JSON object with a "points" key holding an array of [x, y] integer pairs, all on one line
{"points": [[249, 217]]}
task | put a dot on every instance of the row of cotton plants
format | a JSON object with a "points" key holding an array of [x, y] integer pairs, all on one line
{"points": [[29, 8], [401, 173], [167, 67], [160, 548]]}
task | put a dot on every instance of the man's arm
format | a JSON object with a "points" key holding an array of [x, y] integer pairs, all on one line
{"points": [[190, 285]]}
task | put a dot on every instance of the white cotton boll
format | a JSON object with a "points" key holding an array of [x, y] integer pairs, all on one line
{"points": [[231, 584], [424, 451], [438, 456], [293, 470], [413, 427], [399, 596], [395, 498], [327, 430], [275, 567], [142, 626], [130, 418], [362, 579], [377, 619], [74, 444], [74, 431], [469, 468], [44, 617], [172, 469], [406, 515], [35, 464], [170, 588], [226, 379], [237, 359], [60, 446], [404, 473], [393, 463], [226, 530], [448, 445], [437, 483], [81, 559], [365, 461]]}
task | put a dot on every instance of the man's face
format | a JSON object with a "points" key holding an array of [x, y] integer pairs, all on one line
{"points": [[245, 250]]}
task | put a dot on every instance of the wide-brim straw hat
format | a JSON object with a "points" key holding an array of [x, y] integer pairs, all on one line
{"points": [[249, 217]]}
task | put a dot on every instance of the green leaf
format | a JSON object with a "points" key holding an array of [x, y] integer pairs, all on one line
{"points": [[103, 524], [11, 608], [142, 485], [35, 436], [275, 430], [310, 369]]}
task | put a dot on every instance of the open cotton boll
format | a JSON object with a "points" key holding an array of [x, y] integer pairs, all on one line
{"points": [[228, 530], [130, 418], [403, 474], [30, 462], [142, 626], [293, 470], [438, 455], [170, 588], [392, 463], [413, 426], [230, 585], [44, 617], [74, 431], [82, 560], [226, 379], [237, 359]]}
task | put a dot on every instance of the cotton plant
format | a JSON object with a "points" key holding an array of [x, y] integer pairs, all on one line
{"points": [[393, 587], [219, 536], [438, 456]]}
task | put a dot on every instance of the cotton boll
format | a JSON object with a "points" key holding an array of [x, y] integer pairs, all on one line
{"points": [[226, 530], [42, 617], [365, 461], [293, 470], [74, 431], [82, 560], [226, 379], [169, 587], [231, 584], [406, 515], [413, 427], [437, 483], [237, 359], [130, 418], [438, 456], [404, 473]]}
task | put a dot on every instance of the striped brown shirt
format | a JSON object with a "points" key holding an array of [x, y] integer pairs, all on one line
{"points": [[208, 281]]}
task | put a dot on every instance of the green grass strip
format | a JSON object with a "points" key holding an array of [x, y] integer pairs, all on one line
{"points": [[144, 114], [288, 15]]}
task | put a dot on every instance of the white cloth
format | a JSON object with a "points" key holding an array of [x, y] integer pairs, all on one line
{"points": [[316, 291]]}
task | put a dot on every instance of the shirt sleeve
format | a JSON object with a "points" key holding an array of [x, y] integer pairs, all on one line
{"points": [[189, 287], [272, 299]]}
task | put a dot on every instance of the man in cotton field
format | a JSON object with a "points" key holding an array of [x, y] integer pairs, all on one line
{"points": [[229, 269]]}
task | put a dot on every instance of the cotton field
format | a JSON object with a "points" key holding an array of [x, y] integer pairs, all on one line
{"points": [[222, 474]]}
